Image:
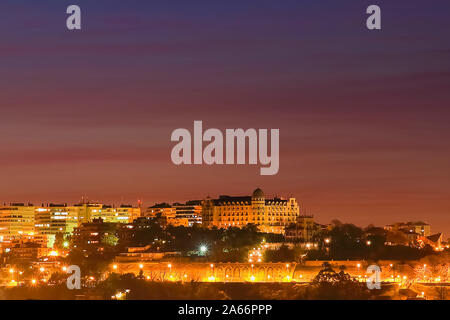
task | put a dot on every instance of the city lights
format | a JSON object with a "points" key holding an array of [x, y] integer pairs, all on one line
{"points": [[203, 249], [255, 266]]}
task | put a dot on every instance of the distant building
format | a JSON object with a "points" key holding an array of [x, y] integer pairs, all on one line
{"points": [[187, 214], [16, 220], [179, 214], [419, 228], [27, 252], [95, 235], [163, 210], [271, 215], [435, 241], [54, 219], [303, 230], [121, 214], [127, 232]]}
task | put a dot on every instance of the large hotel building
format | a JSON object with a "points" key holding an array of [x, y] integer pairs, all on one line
{"points": [[271, 215]]}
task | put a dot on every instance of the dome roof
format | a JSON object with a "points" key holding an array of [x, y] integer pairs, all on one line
{"points": [[258, 193]]}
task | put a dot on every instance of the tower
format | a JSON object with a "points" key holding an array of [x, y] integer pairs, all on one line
{"points": [[258, 206]]}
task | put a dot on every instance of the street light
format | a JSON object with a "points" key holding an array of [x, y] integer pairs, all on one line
{"points": [[203, 249]]}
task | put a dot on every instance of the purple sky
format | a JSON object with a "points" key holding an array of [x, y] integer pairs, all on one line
{"points": [[363, 115]]}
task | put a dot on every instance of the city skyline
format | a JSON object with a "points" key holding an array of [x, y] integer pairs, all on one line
{"points": [[363, 116], [143, 206]]}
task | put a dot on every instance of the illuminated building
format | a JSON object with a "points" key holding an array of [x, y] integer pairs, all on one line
{"points": [[54, 219], [16, 221], [271, 215], [303, 230], [163, 210], [434, 241], [124, 214], [28, 251], [178, 214], [419, 228], [187, 214], [19, 221]]}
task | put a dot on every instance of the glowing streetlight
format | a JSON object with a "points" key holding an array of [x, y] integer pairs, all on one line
{"points": [[115, 267], [203, 249], [141, 266]]}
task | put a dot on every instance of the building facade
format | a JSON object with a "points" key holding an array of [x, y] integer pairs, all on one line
{"points": [[303, 230], [38, 223], [419, 228], [270, 215], [16, 221]]}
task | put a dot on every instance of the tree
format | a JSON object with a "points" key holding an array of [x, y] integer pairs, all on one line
{"points": [[329, 284], [59, 241]]}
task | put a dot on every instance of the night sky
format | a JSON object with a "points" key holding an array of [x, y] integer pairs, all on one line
{"points": [[363, 115]]}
